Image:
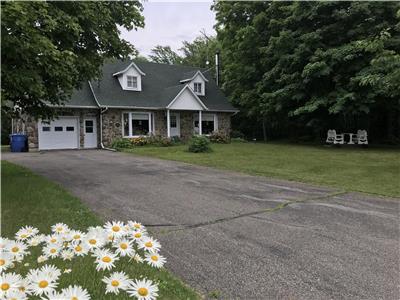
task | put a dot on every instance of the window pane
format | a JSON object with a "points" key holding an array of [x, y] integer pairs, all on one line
{"points": [[89, 129], [70, 128], [137, 116], [88, 122], [207, 127], [46, 128], [140, 127], [173, 121], [126, 124], [58, 128]]}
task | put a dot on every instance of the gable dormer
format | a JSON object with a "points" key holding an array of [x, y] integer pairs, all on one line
{"points": [[130, 78], [197, 82]]}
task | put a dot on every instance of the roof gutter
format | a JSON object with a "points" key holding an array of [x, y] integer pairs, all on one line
{"points": [[102, 111]]}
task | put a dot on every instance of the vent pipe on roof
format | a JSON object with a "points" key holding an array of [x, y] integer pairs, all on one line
{"points": [[217, 67]]}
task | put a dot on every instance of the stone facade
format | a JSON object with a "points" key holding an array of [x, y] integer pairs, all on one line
{"points": [[112, 124], [29, 125]]}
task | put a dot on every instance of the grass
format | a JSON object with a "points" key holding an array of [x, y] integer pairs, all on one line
{"points": [[366, 170], [29, 199]]}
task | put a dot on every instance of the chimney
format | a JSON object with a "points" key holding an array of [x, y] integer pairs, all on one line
{"points": [[217, 67]]}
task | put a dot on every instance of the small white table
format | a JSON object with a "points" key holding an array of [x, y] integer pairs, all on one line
{"points": [[351, 142]]}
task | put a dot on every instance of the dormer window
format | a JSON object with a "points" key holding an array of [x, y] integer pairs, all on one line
{"points": [[197, 87], [131, 82]]}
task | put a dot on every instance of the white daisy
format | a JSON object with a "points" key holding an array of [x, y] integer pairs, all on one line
{"points": [[17, 249], [6, 261], [52, 250], [24, 286], [67, 254], [3, 243], [76, 293], [42, 258], [143, 290], [16, 295], [149, 244], [136, 226], [51, 271], [115, 228], [154, 259], [41, 282], [80, 249], [9, 282], [53, 239], [54, 295], [105, 259], [67, 271], [138, 235], [137, 258], [60, 228], [115, 282], [124, 247], [36, 240], [95, 239], [76, 236], [26, 232]]}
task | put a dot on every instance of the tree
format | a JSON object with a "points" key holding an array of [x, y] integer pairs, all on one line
{"points": [[50, 48], [200, 51], [164, 55], [312, 64]]}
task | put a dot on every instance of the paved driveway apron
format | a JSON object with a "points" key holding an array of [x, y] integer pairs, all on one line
{"points": [[240, 236]]}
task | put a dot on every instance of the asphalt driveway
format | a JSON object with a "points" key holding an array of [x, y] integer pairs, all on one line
{"points": [[238, 236]]}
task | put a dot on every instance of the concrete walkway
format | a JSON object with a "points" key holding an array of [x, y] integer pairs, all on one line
{"points": [[241, 236]]}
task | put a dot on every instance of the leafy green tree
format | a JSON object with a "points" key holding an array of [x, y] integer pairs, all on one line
{"points": [[315, 64], [200, 52], [165, 55], [50, 48]]}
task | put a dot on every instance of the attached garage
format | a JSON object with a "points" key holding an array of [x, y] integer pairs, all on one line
{"points": [[62, 133]]}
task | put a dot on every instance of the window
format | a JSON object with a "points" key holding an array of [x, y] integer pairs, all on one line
{"points": [[208, 123], [70, 128], [89, 126], [131, 82], [197, 87], [137, 123], [173, 123], [58, 128], [46, 128]]}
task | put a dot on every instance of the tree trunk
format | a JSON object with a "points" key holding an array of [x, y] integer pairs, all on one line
{"points": [[264, 130]]}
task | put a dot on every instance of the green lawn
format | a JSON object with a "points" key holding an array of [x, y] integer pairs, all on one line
{"points": [[29, 199], [367, 170]]}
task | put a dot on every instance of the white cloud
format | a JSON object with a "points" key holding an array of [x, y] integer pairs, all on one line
{"points": [[171, 23]]}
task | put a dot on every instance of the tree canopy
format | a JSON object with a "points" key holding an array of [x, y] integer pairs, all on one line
{"points": [[314, 64], [165, 55], [50, 48]]}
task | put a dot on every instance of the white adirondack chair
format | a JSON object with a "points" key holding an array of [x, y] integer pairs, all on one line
{"points": [[334, 138], [362, 137], [331, 136]]}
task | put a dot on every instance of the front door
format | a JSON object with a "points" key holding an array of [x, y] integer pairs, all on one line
{"points": [[175, 124], [90, 132]]}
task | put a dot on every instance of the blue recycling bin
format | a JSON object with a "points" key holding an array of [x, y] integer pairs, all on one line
{"points": [[19, 142]]}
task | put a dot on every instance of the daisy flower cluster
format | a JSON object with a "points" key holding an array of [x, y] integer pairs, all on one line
{"points": [[107, 245]]}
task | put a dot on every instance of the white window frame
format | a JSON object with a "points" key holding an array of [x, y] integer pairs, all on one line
{"points": [[150, 120], [197, 84], [131, 77], [203, 117]]}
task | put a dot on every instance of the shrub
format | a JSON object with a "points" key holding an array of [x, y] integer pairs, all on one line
{"points": [[219, 138], [139, 141], [198, 144], [161, 141], [122, 144]]}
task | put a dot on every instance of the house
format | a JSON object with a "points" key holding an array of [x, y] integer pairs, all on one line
{"points": [[134, 99]]}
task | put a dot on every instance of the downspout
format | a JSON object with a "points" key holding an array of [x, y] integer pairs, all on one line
{"points": [[101, 119]]}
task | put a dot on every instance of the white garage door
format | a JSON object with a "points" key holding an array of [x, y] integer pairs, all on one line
{"points": [[59, 134]]}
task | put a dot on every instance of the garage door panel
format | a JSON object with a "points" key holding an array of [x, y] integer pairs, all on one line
{"points": [[59, 134]]}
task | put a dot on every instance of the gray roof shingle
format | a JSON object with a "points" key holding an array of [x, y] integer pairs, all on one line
{"points": [[160, 85]]}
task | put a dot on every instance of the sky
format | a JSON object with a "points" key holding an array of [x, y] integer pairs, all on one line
{"points": [[170, 23]]}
